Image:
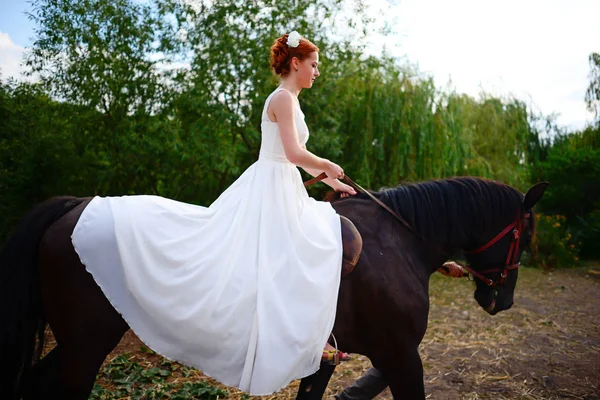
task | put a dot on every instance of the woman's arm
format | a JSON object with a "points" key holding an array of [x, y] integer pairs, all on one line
{"points": [[282, 106], [334, 183]]}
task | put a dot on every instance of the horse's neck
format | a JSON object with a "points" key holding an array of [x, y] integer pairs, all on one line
{"points": [[448, 217], [446, 239]]}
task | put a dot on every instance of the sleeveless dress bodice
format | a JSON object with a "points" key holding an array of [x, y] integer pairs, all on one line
{"points": [[271, 145], [244, 290]]}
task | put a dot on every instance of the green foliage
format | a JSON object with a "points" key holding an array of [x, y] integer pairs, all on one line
{"points": [[554, 245], [128, 379], [587, 232], [105, 54], [572, 166], [392, 127], [165, 97], [574, 174], [33, 129]]}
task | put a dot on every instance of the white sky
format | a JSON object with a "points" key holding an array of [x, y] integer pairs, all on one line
{"points": [[536, 50], [10, 56]]}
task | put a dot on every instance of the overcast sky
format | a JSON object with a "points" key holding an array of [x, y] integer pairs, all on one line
{"points": [[536, 50]]}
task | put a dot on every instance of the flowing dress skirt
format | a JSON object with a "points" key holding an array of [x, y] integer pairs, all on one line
{"points": [[244, 290]]}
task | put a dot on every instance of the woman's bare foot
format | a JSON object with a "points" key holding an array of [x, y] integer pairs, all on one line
{"points": [[329, 347]]}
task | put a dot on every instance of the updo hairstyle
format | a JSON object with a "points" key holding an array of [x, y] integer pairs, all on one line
{"points": [[282, 54]]}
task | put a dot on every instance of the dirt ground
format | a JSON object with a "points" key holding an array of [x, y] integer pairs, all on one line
{"points": [[546, 347]]}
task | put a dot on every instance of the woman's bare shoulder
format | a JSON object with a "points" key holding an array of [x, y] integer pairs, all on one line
{"points": [[282, 104], [282, 98]]}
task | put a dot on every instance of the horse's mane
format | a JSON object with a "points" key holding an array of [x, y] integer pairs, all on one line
{"points": [[450, 210]]}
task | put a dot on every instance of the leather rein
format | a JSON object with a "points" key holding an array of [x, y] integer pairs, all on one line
{"points": [[359, 188], [515, 227]]}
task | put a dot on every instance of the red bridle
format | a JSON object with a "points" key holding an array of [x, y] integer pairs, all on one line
{"points": [[511, 259]]}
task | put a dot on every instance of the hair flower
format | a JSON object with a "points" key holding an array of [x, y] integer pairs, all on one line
{"points": [[293, 39]]}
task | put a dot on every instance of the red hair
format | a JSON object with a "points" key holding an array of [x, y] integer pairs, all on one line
{"points": [[282, 54]]}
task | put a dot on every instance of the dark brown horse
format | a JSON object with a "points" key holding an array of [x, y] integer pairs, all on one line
{"points": [[382, 308]]}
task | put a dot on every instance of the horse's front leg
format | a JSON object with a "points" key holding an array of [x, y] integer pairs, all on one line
{"points": [[403, 370], [313, 387]]}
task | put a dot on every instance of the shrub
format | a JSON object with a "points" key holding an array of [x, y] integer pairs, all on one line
{"points": [[554, 245], [586, 231]]}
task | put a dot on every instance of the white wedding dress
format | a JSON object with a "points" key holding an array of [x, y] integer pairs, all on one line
{"points": [[244, 290]]}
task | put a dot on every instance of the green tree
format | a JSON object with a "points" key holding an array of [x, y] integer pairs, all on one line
{"points": [[113, 55], [572, 166], [108, 56], [105, 54], [165, 97], [37, 159], [230, 70]]}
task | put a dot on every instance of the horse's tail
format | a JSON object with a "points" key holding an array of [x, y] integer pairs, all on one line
{"points": [[22, 321]]}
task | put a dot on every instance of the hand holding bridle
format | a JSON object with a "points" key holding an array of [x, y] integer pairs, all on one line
{"points": [[333, 171]]}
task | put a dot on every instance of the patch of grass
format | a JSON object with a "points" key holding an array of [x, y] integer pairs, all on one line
{"points": [[123, 377]]}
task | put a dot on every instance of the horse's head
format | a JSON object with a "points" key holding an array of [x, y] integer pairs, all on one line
{"points": [[494, 264]]}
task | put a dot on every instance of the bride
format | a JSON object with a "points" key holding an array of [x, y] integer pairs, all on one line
{"points": [[244, 290]]}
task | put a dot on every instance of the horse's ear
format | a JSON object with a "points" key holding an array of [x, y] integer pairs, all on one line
{"points": [[534, 195]]}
